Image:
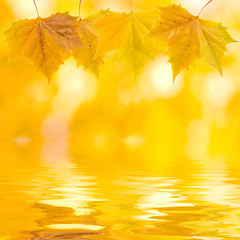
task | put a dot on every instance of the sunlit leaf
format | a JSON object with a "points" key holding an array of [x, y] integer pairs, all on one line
{"points": [[44, 41], [189, 37], [127, 32], [85, 55]]}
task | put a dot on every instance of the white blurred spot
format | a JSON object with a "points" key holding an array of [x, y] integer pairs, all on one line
{"points": [[26, 9], [75, 226], [157, 81], [194, 6], [134, 140], [75, 87], [219, 90]]}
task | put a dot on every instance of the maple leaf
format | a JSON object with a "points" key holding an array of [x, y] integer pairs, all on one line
{"points": [[85, 55], [91, 19], [188, 37], [44, 41], [127, 32]]}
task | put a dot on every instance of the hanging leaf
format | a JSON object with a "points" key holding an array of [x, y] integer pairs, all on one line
{"points": [[91, 19], [85, 55], [188, 37], [127, 32], [47, 42], [44, 41]]}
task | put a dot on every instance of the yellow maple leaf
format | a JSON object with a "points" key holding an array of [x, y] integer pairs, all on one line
{"points": [[85, 55], [188, 37], [127, 32], [44, 41], [91, 19]]}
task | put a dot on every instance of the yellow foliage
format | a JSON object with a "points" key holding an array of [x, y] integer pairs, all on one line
{"points": [[85, 55], [144, 159], [44, 41], [190, 37], [127, 32]]}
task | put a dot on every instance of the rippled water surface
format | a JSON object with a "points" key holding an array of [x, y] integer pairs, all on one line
{"points": [[57, 191]]}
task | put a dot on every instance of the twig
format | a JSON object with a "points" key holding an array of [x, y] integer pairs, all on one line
{"points": [[36, 7], [204, 7], [80, 8]]}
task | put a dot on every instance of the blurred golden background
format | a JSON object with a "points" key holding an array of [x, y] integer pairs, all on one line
{"points": [[119, 158], [201, 107]]}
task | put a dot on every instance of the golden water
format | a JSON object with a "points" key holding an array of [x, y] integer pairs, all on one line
{"points": [[56, 191]]}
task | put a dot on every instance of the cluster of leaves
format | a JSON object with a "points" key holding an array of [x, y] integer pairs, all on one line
{"points": [[137, 37]]}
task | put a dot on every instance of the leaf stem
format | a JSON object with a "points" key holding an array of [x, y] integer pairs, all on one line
{"points": [[36, 7], [204, 7], [80, 2]]}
